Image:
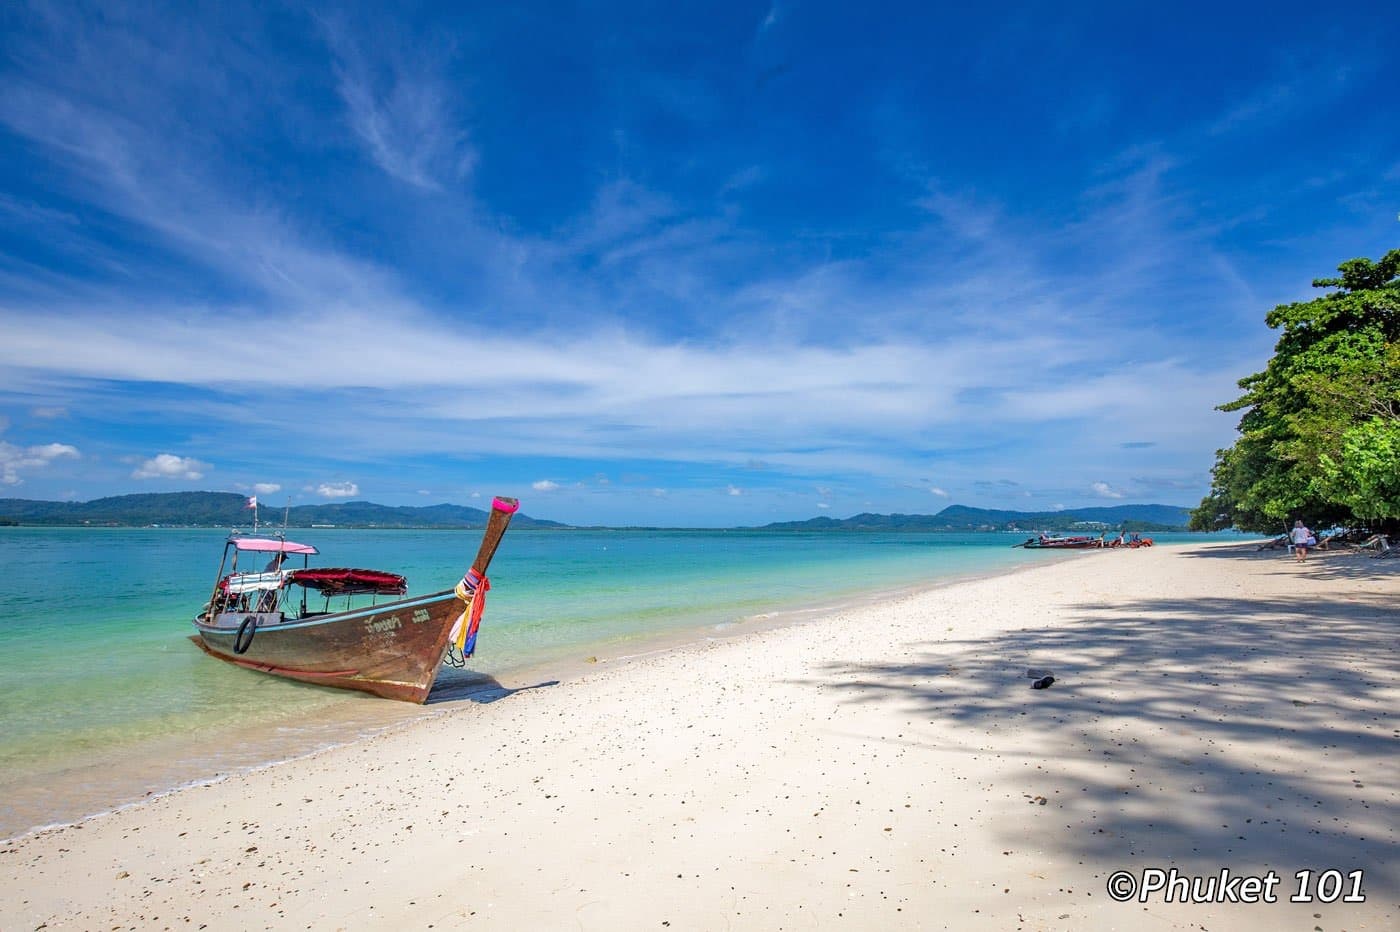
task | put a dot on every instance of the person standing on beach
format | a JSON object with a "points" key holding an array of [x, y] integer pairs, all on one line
{"points": [[1301, 537]]}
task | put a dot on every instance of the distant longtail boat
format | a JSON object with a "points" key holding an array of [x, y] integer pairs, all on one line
{"points": [[1046, 542], [266, 619]]}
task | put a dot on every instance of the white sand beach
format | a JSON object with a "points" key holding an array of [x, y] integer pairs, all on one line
{"points": [[886, 766]]}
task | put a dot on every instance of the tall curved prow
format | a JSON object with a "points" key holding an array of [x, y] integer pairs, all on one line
{"points": [[502, 510], [474, 585]]}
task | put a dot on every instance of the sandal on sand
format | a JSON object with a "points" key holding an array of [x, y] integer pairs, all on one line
{"points": [[1043, 682]]}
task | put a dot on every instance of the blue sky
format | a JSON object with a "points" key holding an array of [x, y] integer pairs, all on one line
{"points": [[704, 264]]}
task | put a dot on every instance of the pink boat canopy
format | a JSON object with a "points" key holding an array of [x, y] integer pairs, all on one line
{"points": [[269, 545]]}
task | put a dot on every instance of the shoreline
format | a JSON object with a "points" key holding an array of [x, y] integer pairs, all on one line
{"points": [[795, 614], [351, 718], [881, 766]]}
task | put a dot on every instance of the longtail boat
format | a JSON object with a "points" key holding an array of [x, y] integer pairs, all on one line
{"points": [[1046, 542], [266, 619]]}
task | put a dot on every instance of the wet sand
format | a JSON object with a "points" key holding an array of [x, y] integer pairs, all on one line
{"points": [[880, 766]]}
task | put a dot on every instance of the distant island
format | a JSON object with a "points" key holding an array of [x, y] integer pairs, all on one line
{"points": [[229, 509], [964, 518]]}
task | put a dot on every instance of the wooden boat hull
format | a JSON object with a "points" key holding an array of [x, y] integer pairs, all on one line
{"points": [[392, 650]]}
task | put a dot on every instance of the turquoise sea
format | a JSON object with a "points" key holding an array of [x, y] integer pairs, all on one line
{"points": [[104, 700]]}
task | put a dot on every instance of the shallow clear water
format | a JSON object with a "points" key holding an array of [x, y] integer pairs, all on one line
{"points": [[103, 699]]}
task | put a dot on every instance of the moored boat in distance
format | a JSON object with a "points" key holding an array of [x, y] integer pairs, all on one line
{"points": [[265, 619], [1046, 542], [1083, 542]]}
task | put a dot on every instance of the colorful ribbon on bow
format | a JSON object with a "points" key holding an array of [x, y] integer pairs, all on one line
{"points": [[472, 590]]}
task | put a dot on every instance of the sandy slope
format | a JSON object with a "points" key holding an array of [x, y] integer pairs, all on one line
{"points": [[882, 767]]}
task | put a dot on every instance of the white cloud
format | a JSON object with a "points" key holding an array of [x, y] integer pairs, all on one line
{"points": [[544, 485], [266, 488], [1104, 490], [823, 505], [50, 413], [1058, 506], [170, 466], [337, 489], [939, 492], [734, 490], [13, 459]]}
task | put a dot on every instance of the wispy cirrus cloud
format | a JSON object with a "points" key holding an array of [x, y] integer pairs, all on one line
{"points": [[761, 396], [1294, 89], [400, 108], [852, 403]]}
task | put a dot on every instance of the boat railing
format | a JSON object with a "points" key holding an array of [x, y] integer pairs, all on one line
{"points": [[256, 582]]}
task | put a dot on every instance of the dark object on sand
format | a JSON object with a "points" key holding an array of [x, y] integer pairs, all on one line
{"points": [[1043, 683]]}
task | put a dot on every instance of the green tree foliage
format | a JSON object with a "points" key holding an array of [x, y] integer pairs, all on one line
{"points": [[1367, 477], [1320, 434]]}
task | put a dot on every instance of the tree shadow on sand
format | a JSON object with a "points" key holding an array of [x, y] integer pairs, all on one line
{"points": [[1339, 562], [1202, 732]]}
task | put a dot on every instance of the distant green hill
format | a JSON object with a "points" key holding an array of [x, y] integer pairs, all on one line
{"points": [[964, 518], [228, 509]]}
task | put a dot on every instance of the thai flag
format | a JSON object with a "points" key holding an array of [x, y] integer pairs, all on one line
{"points": [[252, 501]]}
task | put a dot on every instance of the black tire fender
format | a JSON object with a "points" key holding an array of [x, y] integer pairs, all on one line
{"points": [[250, 625]]}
